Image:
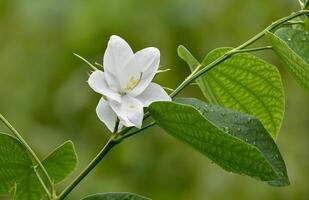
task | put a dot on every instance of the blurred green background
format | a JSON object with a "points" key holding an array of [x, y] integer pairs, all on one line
{"points": [[44, 92]]}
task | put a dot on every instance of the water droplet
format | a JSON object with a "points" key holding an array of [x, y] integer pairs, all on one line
{"points": [[307, 33], [238, 129], [206, 110], [246, 140], [249, 120], [222, 114], [226, 129], [289, 39]]}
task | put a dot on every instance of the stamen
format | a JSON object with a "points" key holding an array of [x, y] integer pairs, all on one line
{"points": [[132, 83]]}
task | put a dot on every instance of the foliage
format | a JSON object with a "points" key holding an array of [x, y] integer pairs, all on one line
{"points": [[237, 142], [115, 196], [236, 129]]}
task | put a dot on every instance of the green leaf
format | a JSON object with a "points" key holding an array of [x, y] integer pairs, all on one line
{"points": [[17, 175], [115, 196], [61, 162], [292, 47], [237, 142], [185, 54], [244, 83], [193, 63]]}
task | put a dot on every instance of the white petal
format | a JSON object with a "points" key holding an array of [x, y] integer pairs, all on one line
{"points": [[152, 93], [116, 55], [130, 111], [129, 76], [106, 114], [133, 109], [116, 106], [97, 82], [141, 70]]}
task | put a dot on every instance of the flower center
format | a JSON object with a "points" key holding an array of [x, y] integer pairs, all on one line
{"points": [[131, 84], [132, 106]]}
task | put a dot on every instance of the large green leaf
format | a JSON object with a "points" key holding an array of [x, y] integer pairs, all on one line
{"points": [[61, 162], [115, 196], [237, 142], [292, 46], [17, 175], [243, 83]]}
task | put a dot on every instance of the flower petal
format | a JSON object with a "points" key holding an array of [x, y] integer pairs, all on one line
{"points": [[152, 93], [130, 111], [116, 55], [106, 114], [97, 82], [140, 70], [116, 106], [133, 109]]}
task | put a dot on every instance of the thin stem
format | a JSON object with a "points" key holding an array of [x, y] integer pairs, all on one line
{"points": [[294, 22], [137, 131], [168, 89], [41, 181], [108, 146], [116, 125], [254, 49], [236, 50], [37, 160], [98, 64], [86, 61]]}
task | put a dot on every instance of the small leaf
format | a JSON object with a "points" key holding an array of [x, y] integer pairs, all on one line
{"points": [[247, 84], [185, 54], [61, 162], [115, 196], [292, 47], [237, 142], [17, 175], [193, 63]]}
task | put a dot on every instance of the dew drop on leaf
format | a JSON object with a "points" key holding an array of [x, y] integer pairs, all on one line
{"points": [[226, 129]]}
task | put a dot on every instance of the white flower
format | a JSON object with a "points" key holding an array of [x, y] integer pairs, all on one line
{"points": [[126, 83]]}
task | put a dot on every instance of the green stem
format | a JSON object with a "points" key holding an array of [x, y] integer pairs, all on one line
{"points": [[254, 49], [239, 49], [294, 22], [86, 61], [41, 181], [137, 131], [108, 146], [37, 160]]}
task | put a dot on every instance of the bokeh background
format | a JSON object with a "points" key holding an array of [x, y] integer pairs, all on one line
{"points": [[43, 90]]}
